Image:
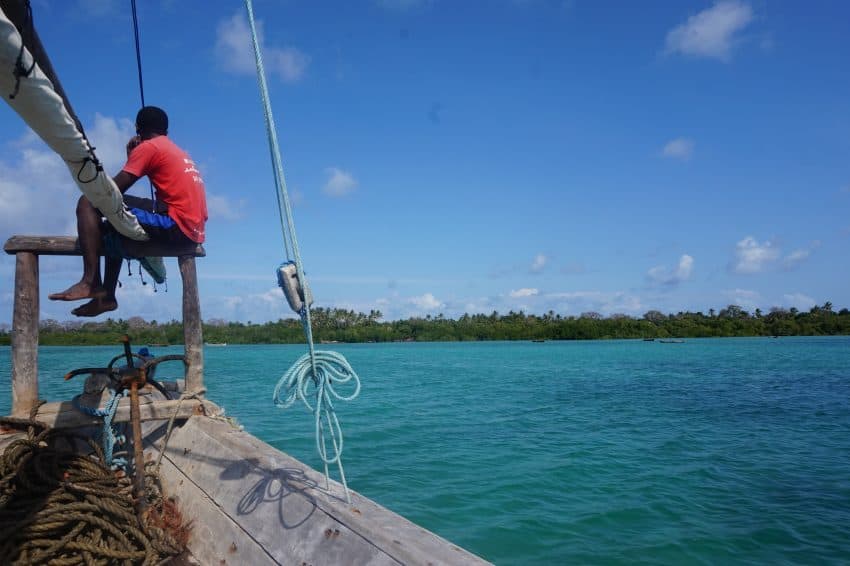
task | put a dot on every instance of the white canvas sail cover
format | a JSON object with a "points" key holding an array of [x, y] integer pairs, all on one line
{"points": [[40, 101]]}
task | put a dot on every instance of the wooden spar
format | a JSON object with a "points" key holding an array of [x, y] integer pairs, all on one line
{"points": [[25, 334], [25, 318], [193, 337]]}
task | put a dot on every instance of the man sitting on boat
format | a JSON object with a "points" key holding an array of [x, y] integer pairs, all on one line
{"points": [[177, 217]]}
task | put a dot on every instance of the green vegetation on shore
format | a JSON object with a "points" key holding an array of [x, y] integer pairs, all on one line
{"points": [[338, 325]]}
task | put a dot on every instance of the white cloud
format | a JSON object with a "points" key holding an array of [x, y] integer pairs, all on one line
{"points": [[340, 183], [711, 33], [795, 258], [799, 301], [743, 297], [34, 175], [538, 263], [397, 307], [524, 292], [37, 193], [109, 136], [257, 306], [220, 207], [686, 266], [660, 275], [753, 257], [235, 53], [679, 148], [426, 302], [603, 302]]}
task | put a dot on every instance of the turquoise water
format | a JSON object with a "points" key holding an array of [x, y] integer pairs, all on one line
{"points": [[612, 452]]}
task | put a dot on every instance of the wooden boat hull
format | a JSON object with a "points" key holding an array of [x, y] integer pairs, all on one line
{"points": [[250, 503]]}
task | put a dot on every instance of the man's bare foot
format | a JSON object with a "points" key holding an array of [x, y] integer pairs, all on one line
{"points": [[96, 306], [78, 292]]}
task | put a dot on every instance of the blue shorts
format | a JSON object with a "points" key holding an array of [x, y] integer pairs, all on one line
{"points": [[155, 220]]}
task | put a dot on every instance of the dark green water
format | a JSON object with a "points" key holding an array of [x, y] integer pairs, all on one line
{"points": [[713, 451]]}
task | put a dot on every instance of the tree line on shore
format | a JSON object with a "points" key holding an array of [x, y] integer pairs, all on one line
{"points": [[340, 325]]}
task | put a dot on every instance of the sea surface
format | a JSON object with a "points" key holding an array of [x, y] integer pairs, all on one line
{"points": [[714, 451]]}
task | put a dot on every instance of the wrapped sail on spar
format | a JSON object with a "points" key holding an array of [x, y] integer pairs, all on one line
{"points": [[29, 85]]}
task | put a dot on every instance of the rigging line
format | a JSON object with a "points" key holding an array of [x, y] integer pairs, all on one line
{"points": [[315, 369], [138, 50], [284, 208], [141, 81]]}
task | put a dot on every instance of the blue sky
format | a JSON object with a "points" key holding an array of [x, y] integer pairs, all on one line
{"points": [[451, 157]]}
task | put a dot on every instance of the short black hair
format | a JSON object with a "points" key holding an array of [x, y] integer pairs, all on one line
{"points": [[152, 119]]}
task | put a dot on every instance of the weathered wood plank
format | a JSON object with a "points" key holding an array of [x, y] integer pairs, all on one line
{"points": [[68, 245], [25, 334], [281, 504], [193, 335], [64, 415], [216, 539]]}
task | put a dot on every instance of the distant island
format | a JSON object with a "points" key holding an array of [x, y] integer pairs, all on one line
{"points": [[340, 325]]}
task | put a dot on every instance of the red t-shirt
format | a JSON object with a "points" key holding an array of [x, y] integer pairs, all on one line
{"points": [[178, 183]]}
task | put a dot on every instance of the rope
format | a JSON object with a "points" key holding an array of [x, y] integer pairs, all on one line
{"points": [[284, 207], [107, 435], [138, 50], [331, 369], [322, 368], [59, 506], [141, 82]]}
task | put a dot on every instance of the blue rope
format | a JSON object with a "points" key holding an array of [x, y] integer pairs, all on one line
{"points": [[107, 436], [320, 369], [295, 384]]}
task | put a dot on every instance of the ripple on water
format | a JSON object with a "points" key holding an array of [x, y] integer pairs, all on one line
{"points": [[615, 452]]}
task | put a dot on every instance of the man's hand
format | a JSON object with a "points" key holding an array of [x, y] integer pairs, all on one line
{"points": [[131, 145]]}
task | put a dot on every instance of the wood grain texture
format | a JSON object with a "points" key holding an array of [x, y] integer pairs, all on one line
{"points": [[68, 245], [193, 335], [64, 414], [25, 319]]}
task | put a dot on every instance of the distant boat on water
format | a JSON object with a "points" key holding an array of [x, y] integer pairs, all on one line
{"points": [[649, 339], [215, 343], [538, 340], [672, 341]]}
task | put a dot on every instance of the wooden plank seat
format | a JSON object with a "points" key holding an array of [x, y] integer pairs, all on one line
{"points": [[25, 318], [68, 245]]}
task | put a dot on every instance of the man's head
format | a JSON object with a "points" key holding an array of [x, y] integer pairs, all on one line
{"points": [[151, 121]]}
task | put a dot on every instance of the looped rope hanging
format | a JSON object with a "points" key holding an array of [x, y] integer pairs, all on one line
{"points": [[322, 369], [332, 369]]}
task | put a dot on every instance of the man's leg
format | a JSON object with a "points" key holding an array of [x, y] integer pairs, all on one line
{"points": [[107, 302], [88, 232], [104, 300]]}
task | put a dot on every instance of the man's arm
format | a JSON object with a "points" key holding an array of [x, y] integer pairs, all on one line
{"points": [[124, 181]]}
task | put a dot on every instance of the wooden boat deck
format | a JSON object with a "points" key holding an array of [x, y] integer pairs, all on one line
{"points": [[253, 504], [249, 503]]}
